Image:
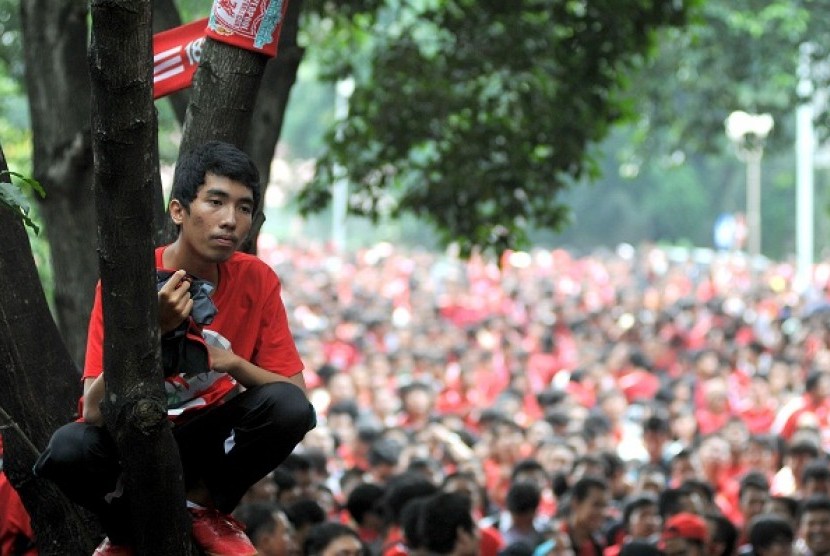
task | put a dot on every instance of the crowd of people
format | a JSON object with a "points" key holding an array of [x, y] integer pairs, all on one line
{"points": [[633, 401], [626, 402]]}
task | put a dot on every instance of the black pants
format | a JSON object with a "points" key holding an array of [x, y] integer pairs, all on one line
{"points": [[227, 448]]}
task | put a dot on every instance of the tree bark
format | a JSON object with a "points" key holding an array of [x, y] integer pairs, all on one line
{"points": [[55, 38], [269, 110], [135, 408], [224, 91], [30, 411]]}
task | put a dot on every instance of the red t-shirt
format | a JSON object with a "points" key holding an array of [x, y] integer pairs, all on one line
{"points": [[251, 318]]}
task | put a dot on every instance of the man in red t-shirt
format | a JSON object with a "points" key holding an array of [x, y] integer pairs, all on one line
{"points": [[237, 417]]}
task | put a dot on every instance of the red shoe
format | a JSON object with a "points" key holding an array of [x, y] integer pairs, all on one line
{"points": [[219, 534], [106, 548]]}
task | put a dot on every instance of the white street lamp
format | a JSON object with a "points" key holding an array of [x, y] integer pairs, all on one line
{"points": [[748, 133]]}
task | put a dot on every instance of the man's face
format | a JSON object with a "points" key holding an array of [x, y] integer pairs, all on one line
{"points": [[591, 512], [217, 220], [281, 541], [815, 530], [644, 522], [682, 547], [753, 502]]}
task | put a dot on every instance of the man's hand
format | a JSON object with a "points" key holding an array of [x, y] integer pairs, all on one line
{"points": [[174, 302], [222, 360]]}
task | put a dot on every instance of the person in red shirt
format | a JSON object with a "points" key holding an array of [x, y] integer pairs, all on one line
{"points": [[812, 407], [588, 504], [16, 535], [235, 418]]}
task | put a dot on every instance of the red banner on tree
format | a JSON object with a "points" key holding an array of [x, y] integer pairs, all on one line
{"points": [[249, 24], [176, 54]]}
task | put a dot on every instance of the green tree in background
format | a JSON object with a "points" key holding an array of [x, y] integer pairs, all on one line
{"points": [[475, 115]]}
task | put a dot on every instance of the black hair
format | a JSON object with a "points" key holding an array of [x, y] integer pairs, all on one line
{"points": [[284, 480], [217, 158], [524, 466], [656, 423], [812, 380], [817, 503], [384, 451], [344, 407], [364, 499], [724, 531], [441, 516], [753, 479], [402, 488], [790, 504], [635, 503], [258, 518], [411, 522], [583, 487], [323, 534], [815, 470], [766, 529], [669, 502], [704, 488], [305, 512], [640, 548], [523, 497]]}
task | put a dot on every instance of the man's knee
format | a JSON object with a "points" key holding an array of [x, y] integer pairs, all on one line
{"points": [[71, 448], [288, 406]]}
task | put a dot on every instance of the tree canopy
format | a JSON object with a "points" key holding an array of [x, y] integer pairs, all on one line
{"points": [[475, 115]]}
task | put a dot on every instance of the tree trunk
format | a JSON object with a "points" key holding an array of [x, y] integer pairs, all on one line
{"points": [[29, 410], [55, 38], [269, 111], [224, 91], [135, 408]]}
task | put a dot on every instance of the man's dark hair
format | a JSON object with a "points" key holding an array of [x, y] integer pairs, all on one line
{"points": [[704, 488], [723, 531], [766, 529], [753, 480], [411, 523], [583, 487], [322, 534], [669, 502], [635, 503], [258, 518], [217, 158], [791, 505], [812, 380], [345, 407], [803, 446], [525, 465], [384, 451], [284, 480], [815, 470], [441, 517], [305, 512], [656, 423], [364, 499], [400, 489], [817, 503], [523, 497]]}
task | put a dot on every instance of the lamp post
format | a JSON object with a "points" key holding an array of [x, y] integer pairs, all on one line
{"points": [[748, 133], [340, 187]]}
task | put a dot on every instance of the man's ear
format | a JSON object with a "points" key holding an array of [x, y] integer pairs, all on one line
{"points": [[177, 211]]}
